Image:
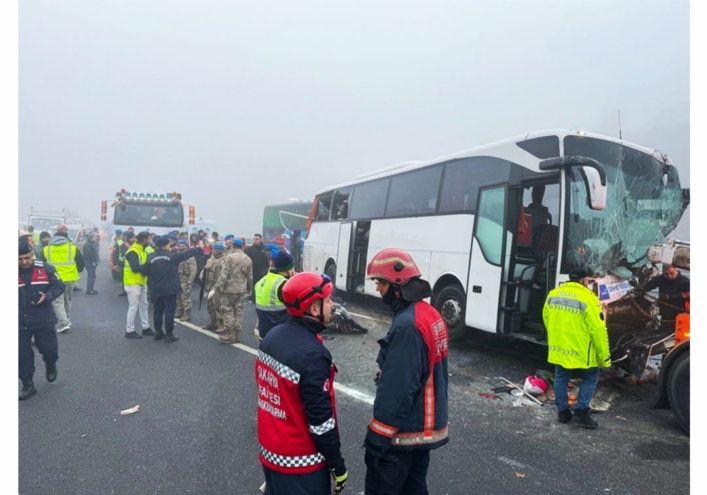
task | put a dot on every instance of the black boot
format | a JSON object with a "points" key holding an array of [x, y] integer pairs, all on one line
{"points": [[564, 416], [28, 390], [159, 335], [51, 372], [171, 338], [584, 419], [148, 332]]}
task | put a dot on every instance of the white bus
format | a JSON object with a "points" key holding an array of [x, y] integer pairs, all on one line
{"points": [[494, 228]]}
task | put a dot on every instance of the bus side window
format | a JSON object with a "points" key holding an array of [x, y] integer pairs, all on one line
{"points": [[324, 208], [340, 204]]}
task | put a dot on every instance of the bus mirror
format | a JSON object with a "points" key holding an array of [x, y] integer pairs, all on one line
{"points": [[561, 162], [596, 192]]}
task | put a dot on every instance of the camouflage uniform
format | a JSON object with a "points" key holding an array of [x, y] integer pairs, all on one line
{"points": [[235, 280], [187, 272], [212, 270]]}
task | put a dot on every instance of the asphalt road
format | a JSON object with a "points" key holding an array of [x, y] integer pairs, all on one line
{"points": [[195, 432]]}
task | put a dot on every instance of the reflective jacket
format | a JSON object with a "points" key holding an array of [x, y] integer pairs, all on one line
{"points": [[65, 257], [576, 334], [135, 258], [269, 307], [411, 404], [297, 424]]}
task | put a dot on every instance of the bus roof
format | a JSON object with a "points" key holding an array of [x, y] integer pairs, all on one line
{"points": [[505, 149]]}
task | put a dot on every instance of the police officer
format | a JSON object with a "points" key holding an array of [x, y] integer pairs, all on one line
{"points": [[68, 261], [269, 307], [577, 342], [298, 428], [411, 404], [211, 272], [162, 271], [39, 286], [187, 273], [235, 280]]}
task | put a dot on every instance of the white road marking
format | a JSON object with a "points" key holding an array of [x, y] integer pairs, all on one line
{"points": [[358, 315], [351, 392]]}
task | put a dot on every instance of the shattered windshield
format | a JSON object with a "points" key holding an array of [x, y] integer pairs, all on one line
{"points": [[643, 206]]}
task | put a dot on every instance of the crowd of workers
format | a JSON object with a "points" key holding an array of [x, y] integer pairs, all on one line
{"points": [[298, 434]]}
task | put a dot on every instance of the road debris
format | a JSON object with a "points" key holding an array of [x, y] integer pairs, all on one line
{"points": [[519, 475], [521, 389], [486, 395], [132, 410]]}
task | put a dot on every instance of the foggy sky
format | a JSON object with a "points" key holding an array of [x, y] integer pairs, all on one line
{"points": [[242, 104]]}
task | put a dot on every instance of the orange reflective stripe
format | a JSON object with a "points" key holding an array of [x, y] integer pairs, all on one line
{"points": [[409, 439], [382, 429], [429, 423]]}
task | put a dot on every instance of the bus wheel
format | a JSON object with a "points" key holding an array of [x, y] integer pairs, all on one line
{"points": [[451, 304], [679, 390], [331, 273]]}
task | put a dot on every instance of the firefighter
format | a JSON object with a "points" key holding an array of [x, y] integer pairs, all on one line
{"points": [[298, 428], [577, 342], [411, 404]]}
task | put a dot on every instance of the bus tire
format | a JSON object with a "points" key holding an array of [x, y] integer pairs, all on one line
{"points": [[679, 391], [451, 304], [330, 272]]}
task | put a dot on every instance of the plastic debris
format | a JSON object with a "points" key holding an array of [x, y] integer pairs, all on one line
{"points": [[132, 410], [519, 475]]}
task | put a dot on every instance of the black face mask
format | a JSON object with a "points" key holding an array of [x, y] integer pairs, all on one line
{"points": [[392, 295]]}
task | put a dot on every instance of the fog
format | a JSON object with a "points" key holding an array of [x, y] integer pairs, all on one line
{"points": [[237, 105]]}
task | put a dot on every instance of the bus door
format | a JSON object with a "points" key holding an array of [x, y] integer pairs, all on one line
{"points": [[534, 223], [343, 255], [487, 259]]}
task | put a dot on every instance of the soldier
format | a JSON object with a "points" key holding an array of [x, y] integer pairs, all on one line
{"points": [[235, 281], [212, 271], [187, 272], [228, 242]]}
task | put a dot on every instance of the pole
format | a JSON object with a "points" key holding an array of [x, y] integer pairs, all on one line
{"points": [[620, 125]]}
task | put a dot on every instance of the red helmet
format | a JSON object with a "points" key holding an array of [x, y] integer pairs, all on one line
{"points": [[394, 265], [300, 291]]}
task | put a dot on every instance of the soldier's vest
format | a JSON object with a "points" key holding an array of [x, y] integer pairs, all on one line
{"points": [[130, 277], [64, 260]]}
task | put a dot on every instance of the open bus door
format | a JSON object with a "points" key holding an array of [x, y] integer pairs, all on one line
{"points": [[487, 259]]}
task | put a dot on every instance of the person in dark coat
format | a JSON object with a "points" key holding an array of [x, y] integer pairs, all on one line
{"points": [[261, 262], [39, 285], [163, 283], [673, 290], [90, 256]]}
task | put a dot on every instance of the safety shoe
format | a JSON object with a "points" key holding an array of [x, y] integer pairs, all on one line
{"points": [[584, 419], [91, 292], [211, 326], [159, 335], [564, 416], [132, 335], [148, 333], [171, 338], [63, 329], [28, 390], [51, 372]]}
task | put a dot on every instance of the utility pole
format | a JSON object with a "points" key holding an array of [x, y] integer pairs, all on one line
{"points": [[620, 124]]}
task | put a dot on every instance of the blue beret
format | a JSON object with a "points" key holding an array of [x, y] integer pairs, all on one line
{"points": [[182, 242], [229, 236], [220, 246], [238, 242], [118, 231], [270, 247]]}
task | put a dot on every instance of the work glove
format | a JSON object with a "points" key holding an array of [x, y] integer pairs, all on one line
{"points": [[341, 476], [211, 293]]}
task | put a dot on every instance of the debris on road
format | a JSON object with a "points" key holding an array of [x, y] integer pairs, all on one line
{"points": [[132, 410], [519, 475], [486, 395], [519, 388]]}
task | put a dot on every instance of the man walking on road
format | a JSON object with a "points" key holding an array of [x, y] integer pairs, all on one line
{"points": [[69, 262], [187, 273], [162, 270], [39, 285], [577, 342], [411, 405], [298, 430], [90, 255], [136, 287], [235, 281]]}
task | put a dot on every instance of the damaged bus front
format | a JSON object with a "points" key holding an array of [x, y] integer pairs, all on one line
{"points": [[624, 241]]}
